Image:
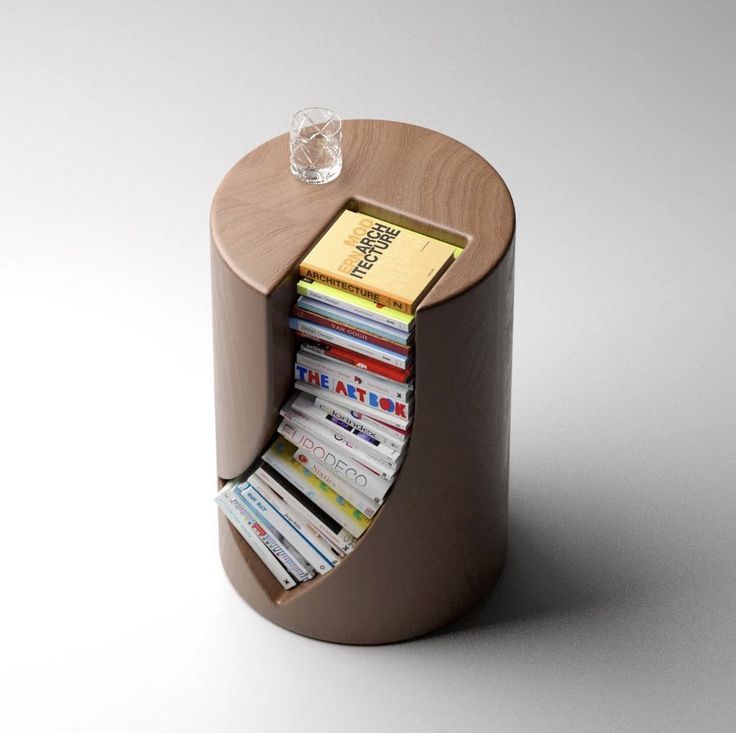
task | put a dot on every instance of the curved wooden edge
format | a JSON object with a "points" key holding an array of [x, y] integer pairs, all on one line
{"points": [[232, 546], [397, 584], [263, 220]]}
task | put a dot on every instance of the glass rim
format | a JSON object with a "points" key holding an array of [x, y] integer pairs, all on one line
{"points": [[331, 115]]}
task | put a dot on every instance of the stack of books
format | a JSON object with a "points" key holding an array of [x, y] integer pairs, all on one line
{"points": [[345, 430]]}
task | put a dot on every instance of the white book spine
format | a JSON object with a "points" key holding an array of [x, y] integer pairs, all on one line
{"points": [[359, 421], [362, 478], [275, 542], [370, 444], [390, 420], [322, 333], [357, 498], [340, 538], [330, 509], [246, 531], [301, 544], [328, 451], [296, 519], [347, 446]]}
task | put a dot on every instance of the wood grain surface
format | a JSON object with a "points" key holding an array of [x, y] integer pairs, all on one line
{"points": [[264, 220], [439, 541]]}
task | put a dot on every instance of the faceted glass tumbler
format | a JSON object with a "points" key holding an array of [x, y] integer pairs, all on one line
{"points": [[315, 144]]}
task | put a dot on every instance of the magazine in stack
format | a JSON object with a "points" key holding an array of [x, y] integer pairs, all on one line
{"points": [[344, 431]]}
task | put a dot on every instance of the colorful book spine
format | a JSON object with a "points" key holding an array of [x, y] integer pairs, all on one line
{"points": [[299, 566], [359, 421], [383, 418], [298, 520], [353, 472], [281, 457], [381, 449], [366, 308], [362, 395], [355, 320], [302, 506], [343, 328], [360, 361], [272, 517], [244, 528], [327, 335], [343, 448], [381, 297], [348, 492], [338, 369]]}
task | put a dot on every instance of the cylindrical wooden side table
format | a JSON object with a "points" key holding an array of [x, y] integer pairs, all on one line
{"points": [[438, 543]]}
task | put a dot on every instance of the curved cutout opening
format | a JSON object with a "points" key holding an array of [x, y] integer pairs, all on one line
{"points": [[270, 586], [409, 221]]}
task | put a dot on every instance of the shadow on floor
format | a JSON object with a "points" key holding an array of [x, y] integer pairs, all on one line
{"points": [[557, 569]]}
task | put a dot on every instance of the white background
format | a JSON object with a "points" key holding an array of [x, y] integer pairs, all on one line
{"points": [[612, 124]]}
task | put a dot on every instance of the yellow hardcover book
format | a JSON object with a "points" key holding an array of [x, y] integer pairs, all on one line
{"points": [[382, 262]]}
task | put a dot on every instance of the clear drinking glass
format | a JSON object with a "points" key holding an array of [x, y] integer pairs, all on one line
{"points": [[315, 142]]}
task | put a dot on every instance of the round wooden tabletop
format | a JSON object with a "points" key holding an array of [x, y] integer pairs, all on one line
{"points": [[263, 220]]}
